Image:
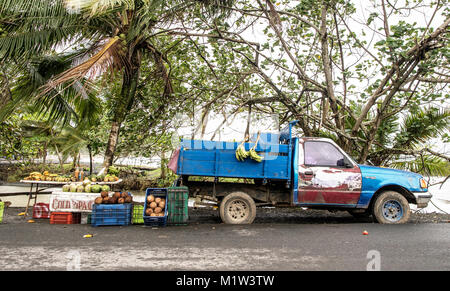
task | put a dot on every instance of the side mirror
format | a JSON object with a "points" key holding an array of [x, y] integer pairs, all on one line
{"points": [[344, 162], [347, 163]]}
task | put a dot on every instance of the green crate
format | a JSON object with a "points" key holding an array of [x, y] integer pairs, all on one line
{"points": [[177, 205], [138, 214], [2, 208]]}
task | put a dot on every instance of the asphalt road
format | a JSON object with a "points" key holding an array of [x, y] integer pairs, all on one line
{"points": [[206, 244]]}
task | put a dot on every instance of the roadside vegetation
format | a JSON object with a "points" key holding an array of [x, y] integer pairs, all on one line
{"points": [[111, 78]]}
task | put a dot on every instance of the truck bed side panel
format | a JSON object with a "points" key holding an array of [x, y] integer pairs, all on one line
{"points": [[217, 159]]}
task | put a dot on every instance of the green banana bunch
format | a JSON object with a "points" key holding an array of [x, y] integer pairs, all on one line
{"points": [[253, 155], [241, 154]]}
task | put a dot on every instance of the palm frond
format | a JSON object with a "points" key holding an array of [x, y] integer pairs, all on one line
{"points": [[109, 57], [98, 7], [426, 165], [419, 127], [34, 27]]}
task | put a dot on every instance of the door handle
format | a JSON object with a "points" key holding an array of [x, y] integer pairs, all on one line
{"points": [[309, 173]]}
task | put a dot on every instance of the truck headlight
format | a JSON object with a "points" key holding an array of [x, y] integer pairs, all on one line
{"points": [[423, 184]]}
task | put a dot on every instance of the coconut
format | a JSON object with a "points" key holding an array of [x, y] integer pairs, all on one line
{"points": [[106, 200], [88, 188], [116, 195], [66, 188], [111, 200], [128, 199], [80, 188], [96, 189], [104, 194], [86, 181], [121, 200], [148, 211], [98, 200], [106, 188], [73, 188]]}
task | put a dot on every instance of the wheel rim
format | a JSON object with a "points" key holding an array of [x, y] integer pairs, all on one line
{"points": [[392, 210], [238, 210]]}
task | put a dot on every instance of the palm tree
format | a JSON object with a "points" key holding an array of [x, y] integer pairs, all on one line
{"points": [[406, 146], [117, 35]]}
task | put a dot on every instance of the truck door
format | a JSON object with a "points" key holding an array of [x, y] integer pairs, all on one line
{"points": [[327, 176]]}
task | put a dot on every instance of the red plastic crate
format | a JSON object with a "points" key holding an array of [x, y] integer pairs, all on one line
{"points": [[65, 218], [41, 210]]}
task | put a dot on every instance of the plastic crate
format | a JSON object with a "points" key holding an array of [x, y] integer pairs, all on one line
{"points": [[2, 208], [65, 217], [111, 214], [155, 220], [177, 205], [138, 213], [41, 210]]}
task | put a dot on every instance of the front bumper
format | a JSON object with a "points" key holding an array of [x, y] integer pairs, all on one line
{"points": [[422, 199]]}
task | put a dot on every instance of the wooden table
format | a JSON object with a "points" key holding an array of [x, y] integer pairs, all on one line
{"points": [[32, 194]]}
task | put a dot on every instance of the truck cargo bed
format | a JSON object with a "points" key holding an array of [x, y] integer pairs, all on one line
{"points": [[217, 159]]}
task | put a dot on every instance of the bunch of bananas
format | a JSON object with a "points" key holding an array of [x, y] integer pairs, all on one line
{"points": [[241, 153], [253, 155]]}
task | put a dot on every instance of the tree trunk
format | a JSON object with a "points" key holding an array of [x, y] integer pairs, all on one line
{"points": [[90, 159], [123, 104]]}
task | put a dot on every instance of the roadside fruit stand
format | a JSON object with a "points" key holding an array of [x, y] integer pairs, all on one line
{"points": [[39, 182], [105, 206]]}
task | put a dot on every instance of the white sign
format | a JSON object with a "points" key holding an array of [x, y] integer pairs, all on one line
{"points": [[72, 201]]}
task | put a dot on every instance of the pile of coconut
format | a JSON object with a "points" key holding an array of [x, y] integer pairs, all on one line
{"points": [[155, 206], [115, 198]]}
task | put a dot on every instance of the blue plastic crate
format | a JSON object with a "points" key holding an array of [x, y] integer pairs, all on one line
{"points": [[155, 220], [111, 214]]}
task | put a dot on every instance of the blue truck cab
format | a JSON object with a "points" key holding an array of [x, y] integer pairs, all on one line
{"points": [[294, 171]]}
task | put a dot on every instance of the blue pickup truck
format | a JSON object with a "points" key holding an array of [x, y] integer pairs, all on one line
{"points": [[297, 172]]}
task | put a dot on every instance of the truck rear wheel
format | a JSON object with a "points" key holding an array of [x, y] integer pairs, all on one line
{"points": [[237, 208], [391, 208]]}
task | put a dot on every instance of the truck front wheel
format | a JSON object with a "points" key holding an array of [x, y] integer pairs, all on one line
{"points": [[237, 208], [391, 207]]}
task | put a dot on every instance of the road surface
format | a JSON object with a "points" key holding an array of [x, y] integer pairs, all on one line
{"points": [[206, 244]]}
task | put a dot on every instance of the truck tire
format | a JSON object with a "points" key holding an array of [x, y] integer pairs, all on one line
{"points": [[391, 207], [237, 208]]}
